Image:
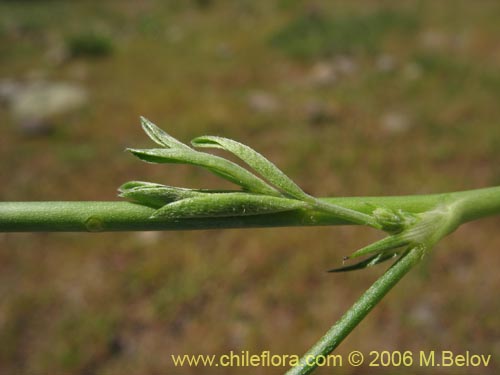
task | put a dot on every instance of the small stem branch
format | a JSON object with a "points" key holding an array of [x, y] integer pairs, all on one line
{"points": [[356, 217], [340, 330]]}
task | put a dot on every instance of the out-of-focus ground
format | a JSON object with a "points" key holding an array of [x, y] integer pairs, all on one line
{"points": [[348, 98]]}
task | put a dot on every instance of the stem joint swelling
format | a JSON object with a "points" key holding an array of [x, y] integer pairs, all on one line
{"points": [[94, 224]]}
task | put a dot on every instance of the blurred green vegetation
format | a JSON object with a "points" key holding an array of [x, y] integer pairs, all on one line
{"points": [[90, 44], [316, 34], [349, 98]]}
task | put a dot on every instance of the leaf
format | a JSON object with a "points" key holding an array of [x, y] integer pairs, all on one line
{"points": [[155, 195], [369, 262], [276, 177], [227, 205], [137, 184], [217, 165], [259, 163], [385, 244], [160, 136]]}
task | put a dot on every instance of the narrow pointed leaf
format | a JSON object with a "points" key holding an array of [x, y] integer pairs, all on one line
{"points": [[385, 244], [369, 262], [259, 163], [155, 195], [276, 177], [226, 205], [137, 184], [217, 165], [160, 136]]}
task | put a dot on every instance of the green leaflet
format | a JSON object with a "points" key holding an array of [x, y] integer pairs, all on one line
{"points": [[277, 185], [275, 176], [385, 244], [227, 204], [274, 192], [369, 262], [217, 165], [137, 184], [259, 163], [156, 195], [160, 137]]}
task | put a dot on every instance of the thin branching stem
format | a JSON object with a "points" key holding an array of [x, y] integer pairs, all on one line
{"points": [[340, 330]]}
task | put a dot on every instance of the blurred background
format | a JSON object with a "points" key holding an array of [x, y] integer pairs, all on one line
{"points": [[348, 98]]}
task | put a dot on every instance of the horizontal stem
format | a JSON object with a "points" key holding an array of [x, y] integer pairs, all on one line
{"points": [[124, 216], [474, 204], [93, 216]]}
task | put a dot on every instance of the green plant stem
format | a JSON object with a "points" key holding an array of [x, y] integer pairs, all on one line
{"points": [[340, 330], [125, 216]]}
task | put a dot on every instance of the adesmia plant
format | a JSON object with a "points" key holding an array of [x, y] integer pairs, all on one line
{"points": [[264, 196]]}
